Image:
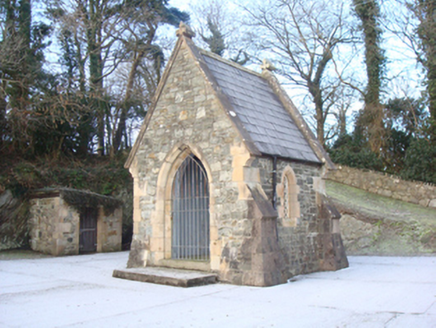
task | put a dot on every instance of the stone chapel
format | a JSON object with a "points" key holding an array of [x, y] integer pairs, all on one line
{"points": [[228, 176]]}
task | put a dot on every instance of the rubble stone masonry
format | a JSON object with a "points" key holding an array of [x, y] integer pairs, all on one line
{"points": [[249, 242], [55, 227], [386, 185]]}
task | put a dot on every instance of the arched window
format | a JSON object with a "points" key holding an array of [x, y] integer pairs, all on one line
{"points": [[190, 212], [289, 211]]}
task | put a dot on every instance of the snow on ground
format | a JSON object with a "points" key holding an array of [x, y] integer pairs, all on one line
{"points": [[79, 291]]}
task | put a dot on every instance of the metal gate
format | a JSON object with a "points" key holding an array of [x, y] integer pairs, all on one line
{"points": [[88, 231], [190, 212]]}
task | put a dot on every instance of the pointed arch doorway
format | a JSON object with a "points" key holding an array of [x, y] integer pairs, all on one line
{"points": [[190, 236]]}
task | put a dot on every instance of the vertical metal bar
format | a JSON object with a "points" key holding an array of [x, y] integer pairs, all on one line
{"points": [[193, 227], [177, 232], [191, 185], [201, 223], [173, 216], [204, 216], [196, 216], [185, 203], [188, 223]]}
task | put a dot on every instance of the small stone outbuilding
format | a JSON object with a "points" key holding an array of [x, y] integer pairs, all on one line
{"points": [[228, 176], [70, 222]]}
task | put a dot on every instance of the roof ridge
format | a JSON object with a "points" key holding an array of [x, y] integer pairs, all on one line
{"points": [[229, 62]]}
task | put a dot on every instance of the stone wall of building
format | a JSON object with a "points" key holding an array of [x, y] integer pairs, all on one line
{"points": [[54, 226], [299, 239], [188, 119], [386, 185], [109, 230], [244, 249]]}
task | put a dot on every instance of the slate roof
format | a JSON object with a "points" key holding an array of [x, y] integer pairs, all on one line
{"points": [[265, 120], [263, 116]]}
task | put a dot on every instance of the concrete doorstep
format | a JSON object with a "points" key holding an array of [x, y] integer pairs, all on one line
{"points": [[167, 276]]}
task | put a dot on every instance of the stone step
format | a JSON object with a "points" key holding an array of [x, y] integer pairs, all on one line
{"points": [[167, 276]]}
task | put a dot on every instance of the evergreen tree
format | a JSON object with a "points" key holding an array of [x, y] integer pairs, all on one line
{"points": [[21, 73]]}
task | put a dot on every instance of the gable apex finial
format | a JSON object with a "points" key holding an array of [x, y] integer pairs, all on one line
{"points": [[267, 65], [185, 30]]}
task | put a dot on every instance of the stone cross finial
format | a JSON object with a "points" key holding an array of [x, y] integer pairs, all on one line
{"points": [[185, 30], [266, 64]]}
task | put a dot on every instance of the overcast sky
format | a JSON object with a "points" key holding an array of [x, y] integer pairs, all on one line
{"points": [[181, 4]]}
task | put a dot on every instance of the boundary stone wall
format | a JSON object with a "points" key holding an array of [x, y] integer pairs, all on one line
{"points": [[387, 185]]}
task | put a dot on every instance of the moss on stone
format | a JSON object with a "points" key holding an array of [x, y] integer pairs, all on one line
{"points": [[82, 199]]}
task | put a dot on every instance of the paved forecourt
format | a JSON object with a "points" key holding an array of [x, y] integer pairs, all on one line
{"points": [[80, 291]]}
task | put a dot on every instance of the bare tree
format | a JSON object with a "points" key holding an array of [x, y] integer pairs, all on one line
{"points": [[219, 26], [145, 57], [86, 29], [303, 37], [415, 24], [343, 99], [101, 39]]}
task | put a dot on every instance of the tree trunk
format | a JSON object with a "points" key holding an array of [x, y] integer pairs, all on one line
{"points": [[431, 89], [315, 91], [96, 70], [368, 12], [125, 105], [129, 89], [342, 121], [427, 34]]}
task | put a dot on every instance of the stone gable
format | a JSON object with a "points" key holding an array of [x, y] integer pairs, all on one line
{"points": [[187, 114]]}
